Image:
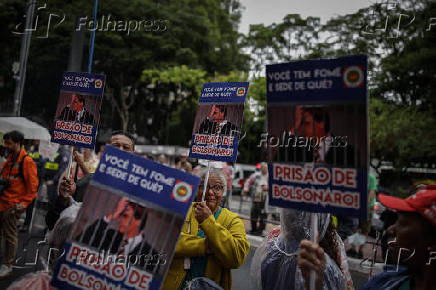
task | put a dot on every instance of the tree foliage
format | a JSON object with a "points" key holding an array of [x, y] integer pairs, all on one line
{"points": [[172, 95], [154, 77], [401, 134], [199, 34], [399, 40]]}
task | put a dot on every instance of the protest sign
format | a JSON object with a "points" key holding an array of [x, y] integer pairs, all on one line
{"points": [[317, 135], [218, 121], [78, 111], [126, 231]]}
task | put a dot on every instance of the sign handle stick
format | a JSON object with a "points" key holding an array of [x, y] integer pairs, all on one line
{"points": [[314, 238], [76, 169], [206, 181], [70, 162]]}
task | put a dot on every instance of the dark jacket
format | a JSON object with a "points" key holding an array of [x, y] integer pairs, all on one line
{"points": [[69, 114], [211, 127], [61, 159], [55, 209], [110, 240], [40, 164], [346, 226]]}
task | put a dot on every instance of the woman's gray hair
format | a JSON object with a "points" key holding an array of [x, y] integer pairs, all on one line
{"points": [[202, 173]]}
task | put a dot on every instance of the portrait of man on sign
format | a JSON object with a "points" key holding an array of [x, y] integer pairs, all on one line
{"points": [[76, 111], [121, 232], [310, 137], [216, 123]]}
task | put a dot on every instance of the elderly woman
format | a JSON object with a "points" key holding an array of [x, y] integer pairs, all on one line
{"points": [[213, 239]]}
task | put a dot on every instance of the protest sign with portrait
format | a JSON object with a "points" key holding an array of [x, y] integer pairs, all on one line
{"points": [[78, 110], [318, 135], [217, 126], [126, 231]]}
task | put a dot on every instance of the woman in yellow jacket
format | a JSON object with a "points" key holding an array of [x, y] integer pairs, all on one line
{"points": [[213, 239]]}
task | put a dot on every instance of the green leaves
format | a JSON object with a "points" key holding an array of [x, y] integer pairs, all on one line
{"points": [[183, 77], [401, 134], [402, 73]]}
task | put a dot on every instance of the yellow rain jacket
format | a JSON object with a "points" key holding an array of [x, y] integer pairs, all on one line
{"points": [[226, 238]]}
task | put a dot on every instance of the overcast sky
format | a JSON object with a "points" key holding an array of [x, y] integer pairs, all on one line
{"points": [[269, 11]]}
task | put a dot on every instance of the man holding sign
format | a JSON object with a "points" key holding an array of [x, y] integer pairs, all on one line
{"points": [[69, 189], [412, 245], [128, 226]]}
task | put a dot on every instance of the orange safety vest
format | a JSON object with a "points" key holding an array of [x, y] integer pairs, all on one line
{"points": [[19, 190]]}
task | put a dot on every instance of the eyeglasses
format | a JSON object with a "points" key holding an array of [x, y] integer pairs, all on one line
{"points": [[215, 188]]}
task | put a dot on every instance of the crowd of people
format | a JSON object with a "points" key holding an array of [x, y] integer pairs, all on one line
{"points": [[213, 240]]}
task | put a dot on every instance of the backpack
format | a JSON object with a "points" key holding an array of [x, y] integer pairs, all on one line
{"points": [[20, 168], [5, 182]]}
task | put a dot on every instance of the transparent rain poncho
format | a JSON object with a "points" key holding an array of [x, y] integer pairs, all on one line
{"points": [[34, 281], [274, 265], [59, 234]]}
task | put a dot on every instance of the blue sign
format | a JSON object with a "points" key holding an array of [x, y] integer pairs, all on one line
{"points": [[147, 180], [126, 239], [81, 82], [318, 81], [217, 125], [224, 92], [78, 111], [317, 135]]}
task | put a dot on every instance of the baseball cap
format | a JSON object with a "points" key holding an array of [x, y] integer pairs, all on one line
{"points": [[422, 202]]}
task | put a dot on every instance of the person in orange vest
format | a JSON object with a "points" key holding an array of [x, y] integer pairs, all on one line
{"points": [[21, 185]]}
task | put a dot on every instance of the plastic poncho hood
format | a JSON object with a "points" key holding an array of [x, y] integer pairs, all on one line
{"points": [[274, 265]]}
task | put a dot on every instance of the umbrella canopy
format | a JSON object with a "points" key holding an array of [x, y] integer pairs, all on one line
{"points": [[31, 130]]}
